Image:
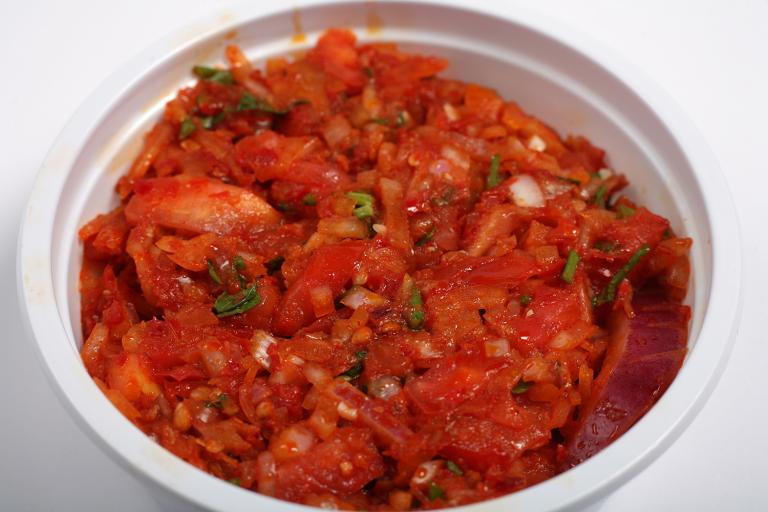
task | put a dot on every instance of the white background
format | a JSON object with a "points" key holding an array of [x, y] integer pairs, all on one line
{"points": [[712, 57]]}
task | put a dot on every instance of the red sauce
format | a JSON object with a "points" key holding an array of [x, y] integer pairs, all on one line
{"points": [[345, 281]]}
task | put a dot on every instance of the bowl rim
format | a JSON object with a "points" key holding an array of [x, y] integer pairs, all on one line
{"points": [[580, 486]]}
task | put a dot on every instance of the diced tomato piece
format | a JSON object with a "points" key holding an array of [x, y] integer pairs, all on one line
{"points": [[343, 464], [478, 443], [330, 265], [199, 205], [271, 156], [453, 381]]}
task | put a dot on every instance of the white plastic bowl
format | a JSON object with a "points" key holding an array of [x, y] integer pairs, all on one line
{"points": [[552, 71]]}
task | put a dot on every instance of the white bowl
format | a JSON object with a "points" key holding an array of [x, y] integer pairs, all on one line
{"points": [[552, 71]]}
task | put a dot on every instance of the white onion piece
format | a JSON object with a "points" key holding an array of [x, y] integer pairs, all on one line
{"points": [[384, 387], [450, 112], [536, 143], [425, 473], [425, 350], [346, 412], [260, 343], [457, 157], [265, 473], [296, 360], [553, 188], [336, 130], [358, 296], [294, 440], [605, 173], [214, 361], [524, 191], [496, 348], [321, 298], [316, 374], [380, 229]]}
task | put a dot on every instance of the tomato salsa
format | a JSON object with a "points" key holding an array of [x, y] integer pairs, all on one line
{"points": [[345, 281]]}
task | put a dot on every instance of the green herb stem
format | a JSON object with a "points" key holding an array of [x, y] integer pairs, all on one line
{"points": [[609, 293], [571, 264]]}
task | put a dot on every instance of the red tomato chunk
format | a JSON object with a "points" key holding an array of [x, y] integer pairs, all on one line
{"points": [[347, 282]]}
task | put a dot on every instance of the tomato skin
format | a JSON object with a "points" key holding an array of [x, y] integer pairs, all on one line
{"points": [[330, 265]]}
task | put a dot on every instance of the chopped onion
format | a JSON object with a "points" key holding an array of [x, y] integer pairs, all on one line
{"points": [[536, 143], [316, 374], [524, 191], [336, 130], [425, 473], [296, 360], [321, 298], [384, 387], [265, 473], [457, 157], [425, 350], [214, 361], [260, 343], [343, 227], [380, 229], [450, 112], [291, 442], [358, 296], [496, 348], [346, 412], [605, 173]]}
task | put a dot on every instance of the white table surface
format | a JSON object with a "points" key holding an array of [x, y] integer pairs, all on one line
{"points": [[711, 56]]}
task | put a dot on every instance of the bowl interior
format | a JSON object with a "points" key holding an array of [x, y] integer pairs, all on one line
{"points": [[546, 77]]}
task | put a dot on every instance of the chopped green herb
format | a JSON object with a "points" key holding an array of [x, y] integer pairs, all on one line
{"points": [[493, 179], [600, 196], [401, 119], [309, 200], [357, 369], [250, 102], [667, 234], [609, 293], [453, 468], [446, 198], [368, 71], [221, 76], [235, 481], [187, 127], [624, 211], [416, 315], [363, 204], [229, 305], [570, 180], [239, 264], [380, 120], [570, 266], [285, 207], [521, 387], [605, 246], [212, 272], [274, 264], [210, 122], [218, 403], [416, 299], [426, 238], [525, 299], [435, 491]]}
